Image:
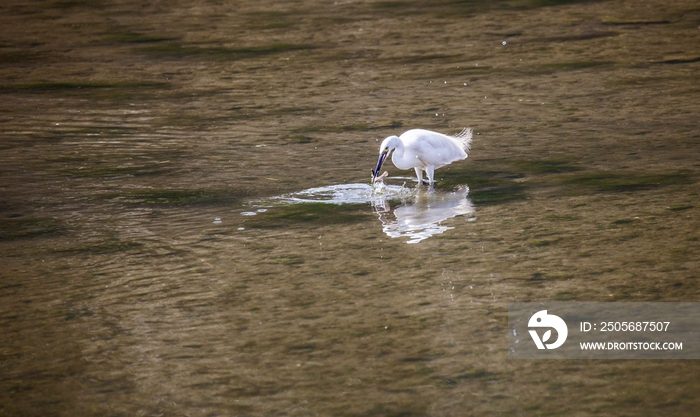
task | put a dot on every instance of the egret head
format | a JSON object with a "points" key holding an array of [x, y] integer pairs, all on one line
{"points": [[388, 145]]}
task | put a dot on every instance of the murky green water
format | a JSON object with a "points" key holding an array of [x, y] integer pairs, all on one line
{"points": [[170, 239]]}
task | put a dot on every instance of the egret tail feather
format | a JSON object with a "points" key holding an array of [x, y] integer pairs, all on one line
{"points": [[465, 138]]}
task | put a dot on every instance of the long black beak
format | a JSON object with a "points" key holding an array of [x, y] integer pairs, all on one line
{"points": [[380, 162]]}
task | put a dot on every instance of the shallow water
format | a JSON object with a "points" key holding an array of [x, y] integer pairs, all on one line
{"points": [[187, 226], [350, 194], [414, 213]]}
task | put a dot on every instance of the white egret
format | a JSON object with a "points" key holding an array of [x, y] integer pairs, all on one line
{"points": [[424, 150]]}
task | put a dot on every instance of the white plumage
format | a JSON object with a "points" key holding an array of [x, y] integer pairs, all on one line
{"points": [[424, 150]]}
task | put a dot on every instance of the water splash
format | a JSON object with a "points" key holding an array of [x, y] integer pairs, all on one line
{"points": [[417, 213], [348, 194]]}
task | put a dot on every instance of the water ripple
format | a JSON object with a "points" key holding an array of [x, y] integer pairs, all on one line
{"points": [[417, 213]]}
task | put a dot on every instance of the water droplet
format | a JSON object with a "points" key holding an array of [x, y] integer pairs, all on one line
{"points": [[504, 42]]}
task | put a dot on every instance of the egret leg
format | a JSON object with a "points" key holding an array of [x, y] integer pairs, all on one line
{"points": [[430, 170], [419, 174]]}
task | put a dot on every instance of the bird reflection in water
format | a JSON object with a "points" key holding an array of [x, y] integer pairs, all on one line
{"points": [[418, 212], [419, 217]]}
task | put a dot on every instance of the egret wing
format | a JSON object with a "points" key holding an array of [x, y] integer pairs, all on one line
{"points": [[433, 148]]}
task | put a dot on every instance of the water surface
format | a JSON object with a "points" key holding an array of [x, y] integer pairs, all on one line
{"points": [[186, 224]]}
